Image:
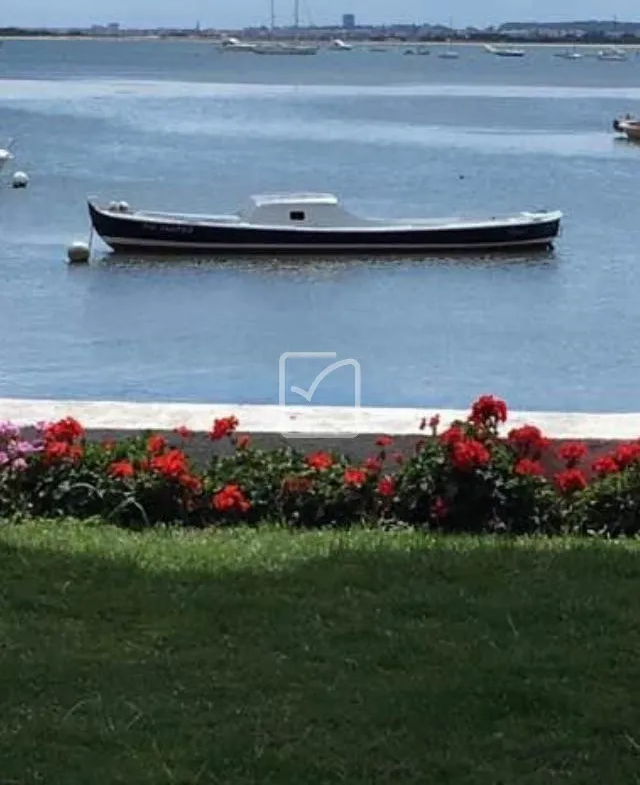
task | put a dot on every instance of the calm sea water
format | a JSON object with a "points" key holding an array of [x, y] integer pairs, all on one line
{"points": [[179, 126]]}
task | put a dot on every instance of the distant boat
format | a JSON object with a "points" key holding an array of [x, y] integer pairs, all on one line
{"points": [[278, 48], [232, 44], [420, 50], [504, 52], [629, 126], [612, 54], [569, 54], [338, 45], [448, 54]]}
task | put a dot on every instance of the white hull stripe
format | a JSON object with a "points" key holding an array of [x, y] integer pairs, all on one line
{"points": [[128, 241]]}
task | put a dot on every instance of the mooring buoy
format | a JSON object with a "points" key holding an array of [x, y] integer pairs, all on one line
{"points": [[20, 180], [78, 253]]}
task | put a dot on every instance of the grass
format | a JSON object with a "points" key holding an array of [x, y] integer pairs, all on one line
{"points": [[246, 658]]}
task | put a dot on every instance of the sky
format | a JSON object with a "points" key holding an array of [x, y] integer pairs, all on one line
{"points": [[244, 13]]}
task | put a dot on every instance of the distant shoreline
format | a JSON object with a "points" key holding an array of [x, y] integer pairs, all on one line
{"points": [[355, 44]]}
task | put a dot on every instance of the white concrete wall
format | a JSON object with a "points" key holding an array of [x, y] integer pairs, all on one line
{"points": [[311, 422]]}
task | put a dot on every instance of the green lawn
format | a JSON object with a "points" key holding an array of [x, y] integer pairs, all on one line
{"points": [[370, 658]]}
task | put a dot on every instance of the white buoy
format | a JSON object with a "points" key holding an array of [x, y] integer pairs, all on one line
{"points": [[78, 253], [20, 180]]}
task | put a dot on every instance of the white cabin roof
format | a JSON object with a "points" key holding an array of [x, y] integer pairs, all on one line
{"points": [[265, 200]]}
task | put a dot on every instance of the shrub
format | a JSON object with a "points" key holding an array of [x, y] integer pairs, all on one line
{"points": [[468, 478]]}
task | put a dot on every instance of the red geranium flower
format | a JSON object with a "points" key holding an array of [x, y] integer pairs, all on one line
{"points": [[122, 469], [156, 445], [223, 427], [439, 509], [572, 453], [59, 451], [606, 465], [56, 451], [355, 478], [172, 464], [528, 440], [384, 441], [398, 457], [525, 467], [571, 480], [183, 432], [452, 435], [66, 430], [321, 461], [488, 410], [243, 442], [469, 455], [627, 454], [373, 465], [231, 499], [387, 487]]}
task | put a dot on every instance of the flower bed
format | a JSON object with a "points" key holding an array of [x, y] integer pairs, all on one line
{"points": [[465, 478]]}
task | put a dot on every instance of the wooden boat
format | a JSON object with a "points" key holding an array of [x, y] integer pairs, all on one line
{"points": [[629, 126], [311, 223]]}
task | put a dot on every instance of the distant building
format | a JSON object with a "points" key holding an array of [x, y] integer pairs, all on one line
{"points": [[349, 22]]}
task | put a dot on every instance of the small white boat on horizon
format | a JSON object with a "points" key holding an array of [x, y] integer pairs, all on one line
{"points": [[419, 50], [612, 54], [448, 54], [338, 45], [503, 51], [278, 48], [231, 44], [569, 54]]}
